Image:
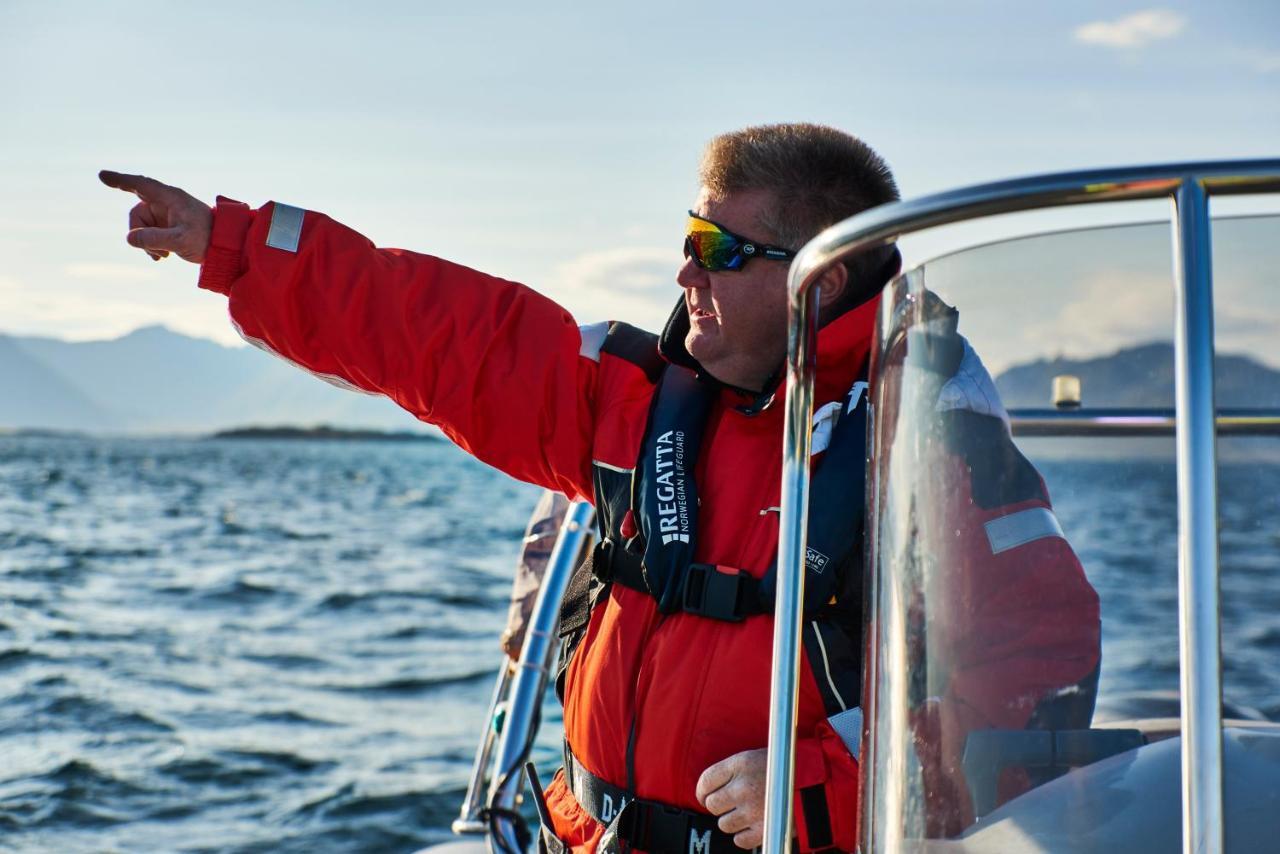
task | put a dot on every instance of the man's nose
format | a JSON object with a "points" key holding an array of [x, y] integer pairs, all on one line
{"points": [[692, 276]]}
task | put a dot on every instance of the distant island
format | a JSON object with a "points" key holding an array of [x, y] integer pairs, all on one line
{"points": [[325, 432], [41, 433], [157, 382]]}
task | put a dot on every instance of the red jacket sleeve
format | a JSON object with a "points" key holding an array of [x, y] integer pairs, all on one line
{"points": [[826, 792], [494, 364]]}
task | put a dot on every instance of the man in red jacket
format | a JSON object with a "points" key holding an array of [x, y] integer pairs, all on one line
{"points": [[666, 704]]}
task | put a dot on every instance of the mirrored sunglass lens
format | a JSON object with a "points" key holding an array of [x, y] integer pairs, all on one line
{"points": [[711, 247]]}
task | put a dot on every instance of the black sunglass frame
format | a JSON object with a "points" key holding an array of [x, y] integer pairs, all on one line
{"points": [[744, 249]]}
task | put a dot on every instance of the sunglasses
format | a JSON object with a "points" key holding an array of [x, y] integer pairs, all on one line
{"points": [[714, 247]]}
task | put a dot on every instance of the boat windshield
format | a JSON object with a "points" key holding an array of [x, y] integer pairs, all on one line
{"points": [[1022, 686]]}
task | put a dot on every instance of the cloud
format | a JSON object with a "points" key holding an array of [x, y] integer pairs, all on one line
{"points": [[1103, 312], [1133, 31], [636, 284], [1116, 308]]}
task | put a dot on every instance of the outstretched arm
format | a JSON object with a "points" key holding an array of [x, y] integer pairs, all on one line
{"points": [[494, 364]]}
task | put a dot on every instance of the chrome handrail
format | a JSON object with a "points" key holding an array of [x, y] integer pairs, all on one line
{"points": [[1199, 610], [1135, 422], [1190, 184], [471, 816], [531, 675]]}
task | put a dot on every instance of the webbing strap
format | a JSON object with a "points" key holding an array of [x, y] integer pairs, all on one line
{"points": [[646, 825], [719, 593]]}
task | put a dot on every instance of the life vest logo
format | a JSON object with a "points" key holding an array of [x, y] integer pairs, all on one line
{"points": [[670, 488], [856, 394], [815, 561], [608, 810]]}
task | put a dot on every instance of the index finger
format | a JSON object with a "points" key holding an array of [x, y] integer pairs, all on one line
{"points": [[714, 778], [146, 188]]}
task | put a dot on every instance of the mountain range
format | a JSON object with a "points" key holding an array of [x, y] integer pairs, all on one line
{"points": [[1139, 377], [154, 380]]}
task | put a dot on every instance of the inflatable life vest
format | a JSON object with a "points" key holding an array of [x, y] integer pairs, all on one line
{"points": [[651, 548], [996, 498], [647, 518]]}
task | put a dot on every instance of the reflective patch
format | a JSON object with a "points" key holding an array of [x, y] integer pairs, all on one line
{"points": [[593, 335], [618, 469], [848, 725], [286, 227], [824, 422], [1018, 529], [329, 378]]}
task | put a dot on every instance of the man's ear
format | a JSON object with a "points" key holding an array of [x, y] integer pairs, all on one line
{"points": [[832, 287]]}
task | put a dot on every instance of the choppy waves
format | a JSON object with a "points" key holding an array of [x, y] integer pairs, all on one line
{"points": [[232, 646], [288, 646], [1121, 518]]}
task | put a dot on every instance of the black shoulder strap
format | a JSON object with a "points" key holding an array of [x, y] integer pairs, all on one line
{"points": [[636, 346]]}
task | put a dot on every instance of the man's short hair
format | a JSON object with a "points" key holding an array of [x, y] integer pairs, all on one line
{"points": [[816, 175]]}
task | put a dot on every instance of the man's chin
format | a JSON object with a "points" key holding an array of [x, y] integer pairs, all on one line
{"points": [[700, 345]]}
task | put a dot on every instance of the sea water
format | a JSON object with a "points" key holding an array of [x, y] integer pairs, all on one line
{"points": [[289, 646]]}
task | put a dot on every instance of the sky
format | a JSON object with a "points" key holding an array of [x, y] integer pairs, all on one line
{"points": [[556, 144]]}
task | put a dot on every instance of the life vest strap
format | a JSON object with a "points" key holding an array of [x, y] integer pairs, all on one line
{"points": [[645, 825], [721, 593], [716, 592]]}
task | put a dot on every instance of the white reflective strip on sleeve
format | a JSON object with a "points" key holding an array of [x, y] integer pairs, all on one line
{"points": [[329, 378], [612, 468], [593, 335], [1018, 529], [848, 725], [286, 227]]}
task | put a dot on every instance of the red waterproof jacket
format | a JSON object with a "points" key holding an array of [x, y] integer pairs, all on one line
{"points": [[498, 368], [505, 373]]}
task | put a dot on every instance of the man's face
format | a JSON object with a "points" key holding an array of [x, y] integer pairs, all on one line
{"points": [[737, 318]]}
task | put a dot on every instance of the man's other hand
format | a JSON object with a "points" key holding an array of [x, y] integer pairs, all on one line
{"points": [[734, 790], [166, 219]]}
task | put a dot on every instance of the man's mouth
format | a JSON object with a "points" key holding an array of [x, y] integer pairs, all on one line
{"points": [[700, 313]]}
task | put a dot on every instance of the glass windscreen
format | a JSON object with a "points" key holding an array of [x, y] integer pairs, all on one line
{"points": [[1023, 683]]}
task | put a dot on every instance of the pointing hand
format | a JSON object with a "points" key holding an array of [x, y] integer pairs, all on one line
{"points": [[166, 219]]}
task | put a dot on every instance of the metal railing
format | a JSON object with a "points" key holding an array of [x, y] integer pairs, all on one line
{"points": [[1135, 422], [521, 688], [471, 818], [1189, 187]]}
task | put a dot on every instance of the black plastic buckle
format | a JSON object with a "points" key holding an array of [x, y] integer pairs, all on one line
{"points": [[708, 592], [631, 824], [650, 826]]}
